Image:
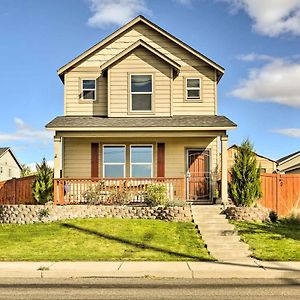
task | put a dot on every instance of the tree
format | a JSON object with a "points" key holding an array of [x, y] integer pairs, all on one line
{"points": [[42, 188], [245, 185], [26, 171]]}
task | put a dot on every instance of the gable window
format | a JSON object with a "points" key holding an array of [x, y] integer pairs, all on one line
{"points": [[193, 87], [141, 92], [114, 161], [89, 89], [141, 161]]}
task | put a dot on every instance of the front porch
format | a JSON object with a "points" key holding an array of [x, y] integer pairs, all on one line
{"points": [[110, 167]]}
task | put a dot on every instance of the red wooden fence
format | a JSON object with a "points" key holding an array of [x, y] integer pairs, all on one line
{"points": [[17, 191], [281, 192]]}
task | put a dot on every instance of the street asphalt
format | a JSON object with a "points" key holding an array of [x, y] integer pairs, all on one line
{"points": [[148, 288]]}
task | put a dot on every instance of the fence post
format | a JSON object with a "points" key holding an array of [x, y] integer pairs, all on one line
{"points": [[14, 190], [55, 192], [61, 189]]}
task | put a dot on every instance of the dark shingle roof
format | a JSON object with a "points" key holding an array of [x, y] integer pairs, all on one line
{"points": [[175, 121], [287, 156], [3, 150]]}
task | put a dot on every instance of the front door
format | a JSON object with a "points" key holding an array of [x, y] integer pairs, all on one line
{"points": [[198, 175]]}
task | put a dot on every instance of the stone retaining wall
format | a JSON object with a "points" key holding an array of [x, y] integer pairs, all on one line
{"points": [[28, 214], [247, 213]]}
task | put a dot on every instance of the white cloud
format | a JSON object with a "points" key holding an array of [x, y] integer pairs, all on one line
{"points": [[271, 17], [26, 133], [255, 57], [291, 132], [276, 81], [111, 12]]}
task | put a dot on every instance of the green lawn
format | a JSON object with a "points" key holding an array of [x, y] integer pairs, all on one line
{"points": [[102, 239], [272, 241]]}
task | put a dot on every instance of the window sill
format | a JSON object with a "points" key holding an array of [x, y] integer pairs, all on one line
{"points": [[141, 112], [81, 101]]}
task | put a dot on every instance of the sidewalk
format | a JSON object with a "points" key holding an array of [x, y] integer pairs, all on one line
{"points": [[232, 269]]}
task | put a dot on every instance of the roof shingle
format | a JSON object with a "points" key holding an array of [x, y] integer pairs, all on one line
{"points": [[131, 122]]}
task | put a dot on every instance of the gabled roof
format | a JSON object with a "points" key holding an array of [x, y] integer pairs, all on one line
{"points": [[3, 150], [142, 19], [288, 157], [236, 146], [140, 43]]}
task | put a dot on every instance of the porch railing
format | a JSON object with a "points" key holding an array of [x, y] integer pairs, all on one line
{"points": [[82, 191]]}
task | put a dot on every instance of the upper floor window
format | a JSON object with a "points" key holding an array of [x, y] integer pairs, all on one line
{"points": [[193, 87], [89, 89], [141, 92]]}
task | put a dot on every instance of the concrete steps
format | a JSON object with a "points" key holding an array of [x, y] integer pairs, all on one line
{"points": [[220, 237]]}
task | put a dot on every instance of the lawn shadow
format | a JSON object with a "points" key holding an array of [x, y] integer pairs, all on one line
{"points": [[284, 228], [133, 243]]}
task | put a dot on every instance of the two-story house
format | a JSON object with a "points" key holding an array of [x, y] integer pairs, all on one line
{"points": [[142, 104]]}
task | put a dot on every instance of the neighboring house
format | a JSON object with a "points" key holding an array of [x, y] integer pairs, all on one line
{"points": [[266, 164], [9, 165], [289, 164], [141, 103]]}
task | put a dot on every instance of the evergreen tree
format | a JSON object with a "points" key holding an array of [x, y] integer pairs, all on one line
{"points": [[42, 188], [245, 185], [26, 171]]}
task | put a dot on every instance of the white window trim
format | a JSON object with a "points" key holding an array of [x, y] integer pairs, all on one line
{"points": [[152, 157], [192, 88], [95, 89], [140, 93], [104, 163]]}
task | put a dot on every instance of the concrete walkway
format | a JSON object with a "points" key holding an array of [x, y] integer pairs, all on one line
{"points": [[236, 269], [220, 237]]}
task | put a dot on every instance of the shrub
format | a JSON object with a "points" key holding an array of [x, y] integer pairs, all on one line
{"points": [[42, 187], [156, 194], [98, 194], [273, 216], [295, 212], [245, 185], [176, 202], [94, 194], [44, 213]]}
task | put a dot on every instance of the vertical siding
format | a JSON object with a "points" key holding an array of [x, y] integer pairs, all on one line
{"points": [[77, 153], [140, 61], [191, 66]]}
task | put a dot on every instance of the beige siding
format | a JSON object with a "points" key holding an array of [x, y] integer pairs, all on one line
{"points": [[286, 166], [77, 153], [191, 66], [7, 163], [74, 105], [264, 163], [140, 61]]}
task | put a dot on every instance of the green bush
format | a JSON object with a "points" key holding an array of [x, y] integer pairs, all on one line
{"points": [[42, 187], [97, 194], [43, 213], [245, 185], [176, 202], [156, 194], [94, 194], [273, 216]]}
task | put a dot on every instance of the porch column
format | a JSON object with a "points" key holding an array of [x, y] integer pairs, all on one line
{"points": [[57, 156], [224, 184]]}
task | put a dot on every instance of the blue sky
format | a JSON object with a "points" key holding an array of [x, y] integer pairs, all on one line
{"points": [[257, 43]]}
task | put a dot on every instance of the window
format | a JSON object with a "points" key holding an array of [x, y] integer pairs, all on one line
{"points": [[263, 170], [114, 161], [193, 86], [1, 170], [141, 161], [141, 92], [9, 172], [89, 89]]}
